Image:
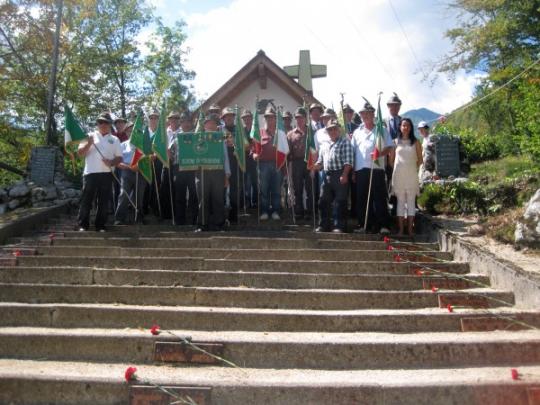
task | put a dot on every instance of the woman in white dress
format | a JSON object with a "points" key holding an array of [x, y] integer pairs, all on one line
{"points": [[405, 183]]}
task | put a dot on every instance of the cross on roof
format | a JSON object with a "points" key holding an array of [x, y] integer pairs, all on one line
{"points": [[305, 71]]}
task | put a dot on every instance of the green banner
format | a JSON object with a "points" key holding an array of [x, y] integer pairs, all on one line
{"points": [[200, 150]]}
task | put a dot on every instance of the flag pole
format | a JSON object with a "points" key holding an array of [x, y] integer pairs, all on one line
{"points": [[157, 190], [136, 196], [202, 196], [171, 194], [237, 190], [290, 190], [368, 196], [258, 191]]}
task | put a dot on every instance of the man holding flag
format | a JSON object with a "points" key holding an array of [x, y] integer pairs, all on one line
{"points": [[371, 142], [102, 152]]}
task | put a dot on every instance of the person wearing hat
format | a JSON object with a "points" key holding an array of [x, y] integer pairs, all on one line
{"points": [[321, 136], [102, 152], [185, 209], [393, 124], [131, 185], [336, 159], [315, 112], [120, 129], [350, 127], [287, 121], [270, 176], [236, 181], [250, 177], [428, 152], [363, 143], [211, 185], [153, 121]]}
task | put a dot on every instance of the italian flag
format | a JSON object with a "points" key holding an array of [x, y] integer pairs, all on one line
{"points": [[379, 137], [140, 140], [280, 142], [255, 133]]}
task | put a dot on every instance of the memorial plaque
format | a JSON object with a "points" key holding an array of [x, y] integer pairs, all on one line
{"points": [[462, 300], [447, 156], [178, 352], [148, 395], [42, 165]]}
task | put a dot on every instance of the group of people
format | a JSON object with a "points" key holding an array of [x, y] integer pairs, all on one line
{"points": [[355, 170]]}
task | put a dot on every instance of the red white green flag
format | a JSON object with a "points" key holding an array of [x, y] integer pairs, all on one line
{"points": [[280, 141], [255, 133], [379, 137]]}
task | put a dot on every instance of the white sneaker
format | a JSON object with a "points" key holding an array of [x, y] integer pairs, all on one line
{"points": [[275, 216], [384, 231], [264, 217]]}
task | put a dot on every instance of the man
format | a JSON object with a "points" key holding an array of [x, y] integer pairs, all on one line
{"points": [[101, 154], [336, 158], [236, 181], [315, 111], [153, 121], [184, 181], [173, 129], [393, 124], [132, 187], [363, 143], [301, 176], [321, 136], [120, 126], [210, 187], [428, 152], [251, 181], [287, 121], [271, 177]]}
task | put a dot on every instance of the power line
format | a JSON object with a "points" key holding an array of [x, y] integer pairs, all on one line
{"points": [[474, 102]]}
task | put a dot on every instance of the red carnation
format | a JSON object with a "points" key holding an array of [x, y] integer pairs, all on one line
{"points": [[389, 247], [386, 239], [17, 253], [397, 258], [129, 375], [419, 272], [450, 308], [375, 154], [434, 289], [515, 374], [154, 330]]}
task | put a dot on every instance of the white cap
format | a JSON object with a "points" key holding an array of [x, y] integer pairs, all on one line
{"points": [[423, 124]]}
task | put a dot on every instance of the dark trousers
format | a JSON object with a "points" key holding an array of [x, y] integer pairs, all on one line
{"points": [[210, 184], [165, 192], [378, 208], [236, 190], [391, 199], [332, 191], [153, 203], [184, 181], [128, 187], [352, 190], [96, 187], [301, 180], [252, 182]]}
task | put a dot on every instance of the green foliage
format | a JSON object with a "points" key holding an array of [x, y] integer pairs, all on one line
{"points": [[432, 195]]}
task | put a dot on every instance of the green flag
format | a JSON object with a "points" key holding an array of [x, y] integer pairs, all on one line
{"points": [[73, 133], [379, 137], [310, 154], [255, 133], [137, 139], [240, 142], [159, 144]]}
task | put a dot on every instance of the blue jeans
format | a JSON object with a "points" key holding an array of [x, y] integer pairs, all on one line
{"points": [[270, 187]]}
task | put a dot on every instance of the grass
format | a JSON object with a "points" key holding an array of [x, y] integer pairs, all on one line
{"points": [[504, 169]]}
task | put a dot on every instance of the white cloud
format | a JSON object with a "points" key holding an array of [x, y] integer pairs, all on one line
{"points": [[359, 41]]}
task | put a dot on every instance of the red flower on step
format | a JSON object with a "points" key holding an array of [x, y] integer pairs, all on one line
{"points": [[389, 247], [450, 308], [155, 330], [386, 239], [129, 375], [434, 289], [515, 374], [419, 272], [17, 253], [397, 258]]}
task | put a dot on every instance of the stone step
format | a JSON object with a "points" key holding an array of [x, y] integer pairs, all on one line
{"points": [[37, 382], [223, 242], [193, 263], [241, 254], [264, 320], [253, 279], [172, 232], [234, 297], [326, 351]]}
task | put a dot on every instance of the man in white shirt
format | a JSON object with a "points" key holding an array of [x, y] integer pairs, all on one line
{"points": [[101, 154], [315, 111], [321, 136], [363, 142]]}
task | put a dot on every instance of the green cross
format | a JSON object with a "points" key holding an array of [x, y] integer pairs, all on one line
{"points": [[305, 71]]}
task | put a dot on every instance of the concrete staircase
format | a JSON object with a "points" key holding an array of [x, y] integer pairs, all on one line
{"points": [[309, 319]]}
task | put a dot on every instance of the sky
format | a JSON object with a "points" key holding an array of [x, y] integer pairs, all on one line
{"points": [[369, 46]]}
